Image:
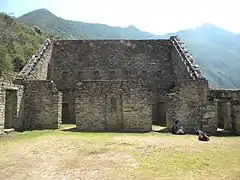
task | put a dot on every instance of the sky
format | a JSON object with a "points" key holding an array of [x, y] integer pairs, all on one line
{"points": [[154, 16]]}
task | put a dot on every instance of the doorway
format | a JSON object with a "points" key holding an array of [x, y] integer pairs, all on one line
{"points": [[225, 116], [221, 113], [159, 111], [65, 114], [10, 108]]}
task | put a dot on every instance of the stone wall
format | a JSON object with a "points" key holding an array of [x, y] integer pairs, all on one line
{"points": [[160, 65], [228, 103], [18, 125], [145, 60], [113, 106], [2, 109], [189, 104], [10, 98], [109, 84], [41, 105], [185, 66], [38, 67]]}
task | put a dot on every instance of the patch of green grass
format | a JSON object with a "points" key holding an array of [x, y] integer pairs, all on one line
{"points": [[170, 163], [210, 162], [13, 139]]}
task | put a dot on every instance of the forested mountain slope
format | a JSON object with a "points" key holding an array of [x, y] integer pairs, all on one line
{"points": [[18, 43]]}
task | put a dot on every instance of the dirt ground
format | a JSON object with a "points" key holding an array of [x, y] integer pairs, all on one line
{"points": [[63, 158], [72, 155]]}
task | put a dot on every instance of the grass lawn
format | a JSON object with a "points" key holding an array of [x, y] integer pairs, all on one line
{"points": [[58, 154]]}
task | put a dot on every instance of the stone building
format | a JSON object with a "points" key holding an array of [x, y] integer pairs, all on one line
{"points": [[115, 85]]}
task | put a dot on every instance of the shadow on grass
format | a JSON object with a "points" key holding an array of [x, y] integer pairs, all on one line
{"points": [[161, 130], [226, 134], [74, 129]]}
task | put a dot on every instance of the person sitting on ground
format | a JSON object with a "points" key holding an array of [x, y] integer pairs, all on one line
{"points": [[202, 136], [177, 129]]}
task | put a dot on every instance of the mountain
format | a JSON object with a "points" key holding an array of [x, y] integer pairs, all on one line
{"points": [[18, 43], [68, 29], [216, 50]]}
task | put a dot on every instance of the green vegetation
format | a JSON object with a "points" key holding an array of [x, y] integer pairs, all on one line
{"points": [[18, 43], [118, 156]]}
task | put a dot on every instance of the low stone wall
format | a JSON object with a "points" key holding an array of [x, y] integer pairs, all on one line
{"points": [[42, 105], [228, 103], [113, 106]]}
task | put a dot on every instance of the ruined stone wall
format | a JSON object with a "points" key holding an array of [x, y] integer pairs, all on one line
{"points": [[41, 105], [189, 104], [228, 103], [38, 67], [185, 66], [106, 67], [113, 106], [145, 60]]}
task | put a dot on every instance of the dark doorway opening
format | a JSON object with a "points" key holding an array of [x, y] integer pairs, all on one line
{"points": [[159, 111], [221, 113], [10, 108], [226, 118], [66, 114]]}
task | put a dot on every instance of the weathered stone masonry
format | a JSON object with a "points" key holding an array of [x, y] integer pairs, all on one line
{"points": [[38, 66], [41, 105], [113, 106], [188, 101], [147, 62], [10, 95], [114, 85], [228, 109], [38, 102]]}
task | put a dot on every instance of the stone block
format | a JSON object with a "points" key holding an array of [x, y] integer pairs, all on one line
{"points": [[210, 108], [211, 129], [210, 114]]}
